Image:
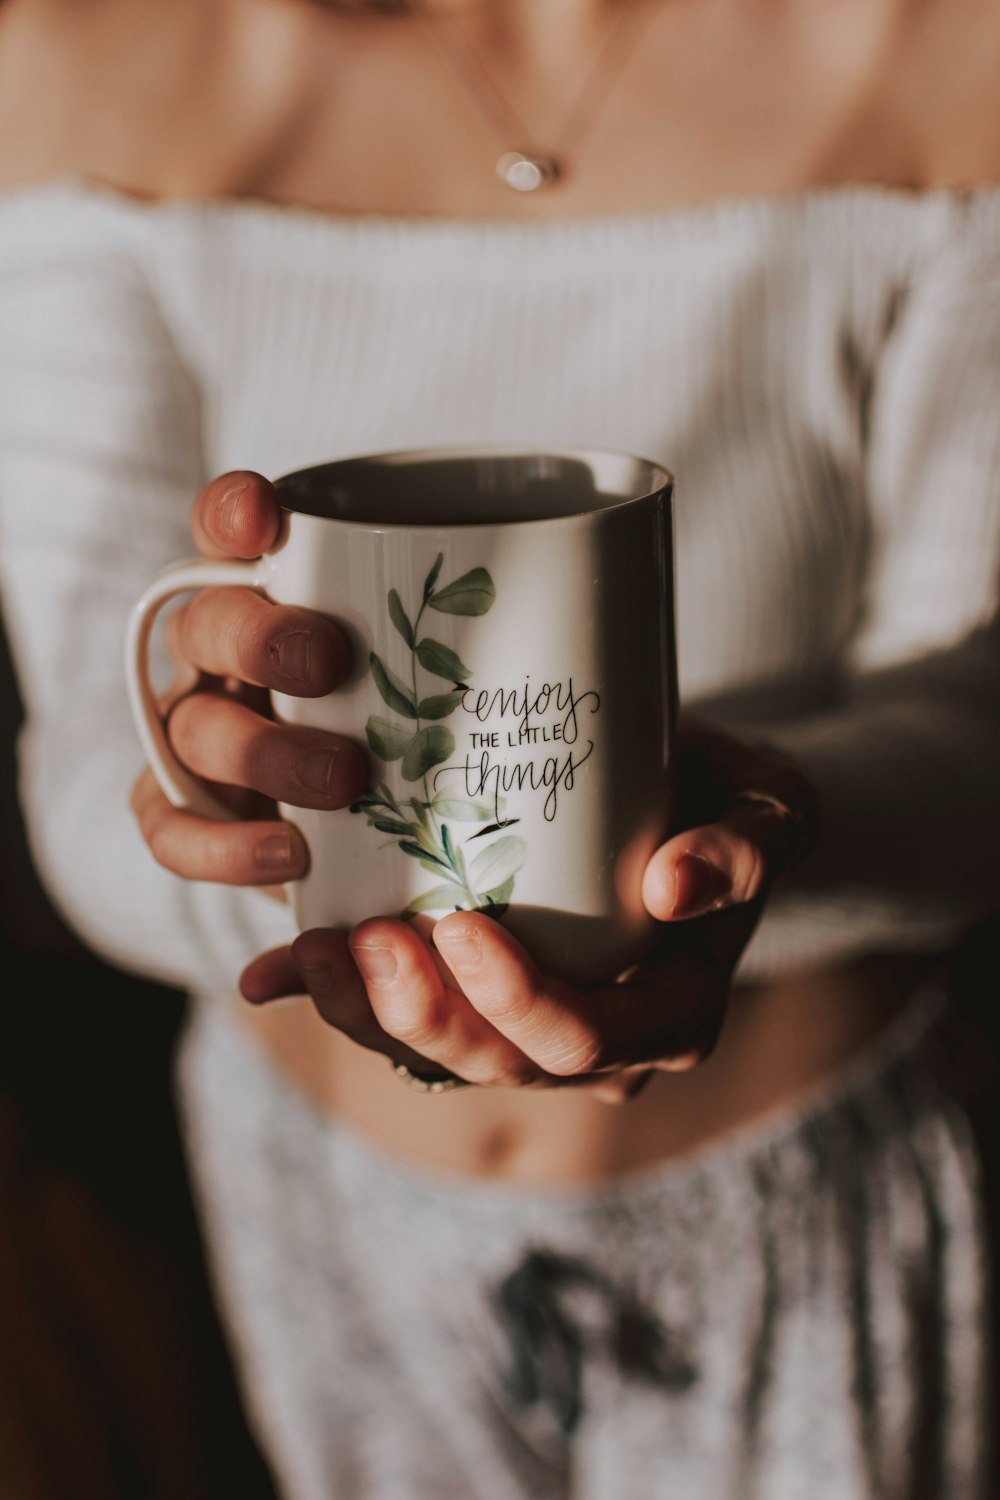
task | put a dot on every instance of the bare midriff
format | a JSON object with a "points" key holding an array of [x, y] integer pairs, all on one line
{"points": [[780, 1043]]}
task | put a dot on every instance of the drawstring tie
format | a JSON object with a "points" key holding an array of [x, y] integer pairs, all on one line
{"points": [[548, 1344]]}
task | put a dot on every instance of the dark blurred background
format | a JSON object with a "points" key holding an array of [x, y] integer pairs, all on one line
{"points": [[114, 1378]]}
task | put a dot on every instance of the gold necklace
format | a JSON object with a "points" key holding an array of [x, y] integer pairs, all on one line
{"points": [[526, 168]]}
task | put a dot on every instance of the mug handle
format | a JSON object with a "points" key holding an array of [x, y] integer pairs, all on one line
{"points": [[178, 785]]}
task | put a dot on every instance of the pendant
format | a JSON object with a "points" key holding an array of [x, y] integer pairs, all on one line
{"points": [[527, 171]]}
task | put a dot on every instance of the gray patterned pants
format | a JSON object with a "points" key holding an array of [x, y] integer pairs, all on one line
{"points": [[796, 1313]]}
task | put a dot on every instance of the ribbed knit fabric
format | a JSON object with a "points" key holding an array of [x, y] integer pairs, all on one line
{"points": [[821, 373]]}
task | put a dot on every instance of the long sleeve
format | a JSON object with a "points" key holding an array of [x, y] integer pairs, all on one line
{"points": [[100, 457], [907, 762]]}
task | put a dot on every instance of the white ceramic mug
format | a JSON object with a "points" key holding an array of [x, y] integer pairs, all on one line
{"points": [[511, 619]]}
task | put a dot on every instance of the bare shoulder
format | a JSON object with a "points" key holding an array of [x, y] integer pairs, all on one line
{"points": [[157, 97], [943, 74]]}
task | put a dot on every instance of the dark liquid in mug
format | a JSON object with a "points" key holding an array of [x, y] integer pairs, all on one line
{"points": [[462, 490]]}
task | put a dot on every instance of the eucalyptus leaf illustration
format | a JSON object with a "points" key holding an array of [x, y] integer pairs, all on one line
{"points": [[446, 844], [392, 825], [499, 897], [426, 838], [399, 617], [388, 740], [432, 576], [461, 811], [429, 747], [394, 691], [498, 862], [415, 852], [472, 594], [371, 800], [441, 705], [441, 898], [416, 824], [441, 660]]}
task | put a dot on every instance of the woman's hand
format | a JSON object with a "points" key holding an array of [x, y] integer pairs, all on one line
{"points": [[229, 646], [462, 997]]}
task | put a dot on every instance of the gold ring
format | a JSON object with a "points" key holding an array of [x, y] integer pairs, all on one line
{"points": [[428, 1083], [799, 820], [777, 804]]}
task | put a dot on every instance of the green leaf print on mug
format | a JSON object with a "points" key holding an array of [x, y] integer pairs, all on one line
{"points": [[499, 862], [394, 691], [419, 827], [472, 594], [400, 618], [463, 811], [441, 661], [441, 898], [441, 705], [387, 740], [429, 747]]}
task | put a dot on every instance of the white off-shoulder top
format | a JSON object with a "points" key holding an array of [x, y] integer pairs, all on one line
{"points": [[820, 372]]}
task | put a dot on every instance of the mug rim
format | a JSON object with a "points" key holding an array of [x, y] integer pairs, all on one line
{"points": [[660, 487]]}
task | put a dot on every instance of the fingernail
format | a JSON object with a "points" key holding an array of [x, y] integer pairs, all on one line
{"points": [[229, 508], [293, 655], [376, 964], [461, 947], [318, 978], [315, 771], [699, 886], [275, 852]]}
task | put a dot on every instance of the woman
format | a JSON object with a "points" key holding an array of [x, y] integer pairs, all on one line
{"points": [[739, 248]]}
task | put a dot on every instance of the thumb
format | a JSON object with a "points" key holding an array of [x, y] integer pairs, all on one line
{"points": [[725, 863], [236, 515]]}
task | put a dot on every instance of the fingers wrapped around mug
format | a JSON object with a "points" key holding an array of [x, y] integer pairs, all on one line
{"points": [[477, 1006], [223, 740], [236, 515], [753, 813], [235, 632], [257, 852], [230, 646], [398, 1014], [666, 1013], [230, 632]]}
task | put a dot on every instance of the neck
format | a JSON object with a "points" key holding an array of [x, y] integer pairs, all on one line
{"points": [[538, 57], [523, 34]]}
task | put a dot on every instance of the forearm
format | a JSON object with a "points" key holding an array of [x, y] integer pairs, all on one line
{"points": [[908, 778]]}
